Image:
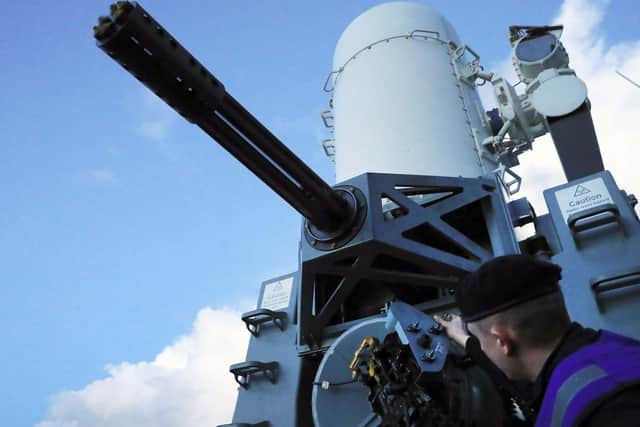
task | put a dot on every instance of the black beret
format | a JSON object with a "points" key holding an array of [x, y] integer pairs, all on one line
{"points": [[504, 282]]}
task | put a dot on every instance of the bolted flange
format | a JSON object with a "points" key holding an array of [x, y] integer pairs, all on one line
{"points": [[327, 240]]}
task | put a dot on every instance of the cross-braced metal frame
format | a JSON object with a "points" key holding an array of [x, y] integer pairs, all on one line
{"points": [[420, 236]]}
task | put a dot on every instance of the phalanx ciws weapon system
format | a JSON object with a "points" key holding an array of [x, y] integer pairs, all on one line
{"points": [[425, 178]]}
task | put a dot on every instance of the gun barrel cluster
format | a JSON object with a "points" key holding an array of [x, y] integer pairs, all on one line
{"points": [[145, 49]]}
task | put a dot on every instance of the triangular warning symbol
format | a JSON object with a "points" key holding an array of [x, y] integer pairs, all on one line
{"points": [[581, 190]]}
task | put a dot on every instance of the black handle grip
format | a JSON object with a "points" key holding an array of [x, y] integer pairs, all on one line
{"points": [[243, 371], [253, 319], [260, 424], [614, 281], [594, 217]]}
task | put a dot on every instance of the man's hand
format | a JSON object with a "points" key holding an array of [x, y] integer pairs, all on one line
{"points": [[454, 326]]}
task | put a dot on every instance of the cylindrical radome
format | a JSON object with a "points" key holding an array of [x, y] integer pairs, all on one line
{"points": [[398, 105]]}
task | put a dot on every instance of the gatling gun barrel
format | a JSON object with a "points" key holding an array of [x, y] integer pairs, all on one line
{"points": [[143, 47]]}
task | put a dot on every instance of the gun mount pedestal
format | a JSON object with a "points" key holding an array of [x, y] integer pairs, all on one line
{"points": [[421, 234]]}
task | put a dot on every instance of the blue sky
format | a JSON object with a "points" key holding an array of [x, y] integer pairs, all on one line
{"points": [[118, 220]]}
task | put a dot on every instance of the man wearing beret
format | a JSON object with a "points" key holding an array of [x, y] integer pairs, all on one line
{"points": [[513, 317]]}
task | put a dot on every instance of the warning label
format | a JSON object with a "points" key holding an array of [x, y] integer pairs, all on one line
{"points": [[276, 295], [581, 190], [586, 195]]}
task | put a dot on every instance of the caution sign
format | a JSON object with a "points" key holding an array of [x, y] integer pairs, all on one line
{"points": [[277, 295], [583, 196], [581, 190]]}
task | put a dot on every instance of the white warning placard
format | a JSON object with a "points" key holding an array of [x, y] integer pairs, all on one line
{"points": [[580, 197], [277, 295]]}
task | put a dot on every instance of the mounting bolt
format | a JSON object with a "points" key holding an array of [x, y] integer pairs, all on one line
{"points": [[414, 327], [429, 356], [436, 329], [446, 316]]}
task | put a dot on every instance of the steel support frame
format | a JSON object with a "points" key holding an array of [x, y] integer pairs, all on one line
{"points": [[434, 266]]}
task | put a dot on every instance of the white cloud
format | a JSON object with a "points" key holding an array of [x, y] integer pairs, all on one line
{"points": [[615, 102], [187, 385], [156, 130], [157, 117], [104, 176]]}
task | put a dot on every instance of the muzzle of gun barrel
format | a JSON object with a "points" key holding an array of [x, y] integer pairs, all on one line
{"points": [[144, 48]]}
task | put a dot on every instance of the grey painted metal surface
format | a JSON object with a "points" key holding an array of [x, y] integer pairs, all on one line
{"points": [[592, 232], [262, 400], [411, 325], [409, 248], [344, 405], [599, 251], [421, 234]]}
